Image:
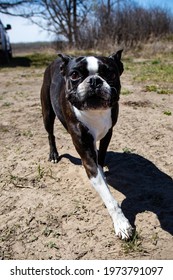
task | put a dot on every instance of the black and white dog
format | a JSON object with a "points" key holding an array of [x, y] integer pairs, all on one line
{"points": [[83, 93]]}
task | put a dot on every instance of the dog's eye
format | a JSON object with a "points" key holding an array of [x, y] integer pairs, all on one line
{"points": [[75, 76], [112, 76]]}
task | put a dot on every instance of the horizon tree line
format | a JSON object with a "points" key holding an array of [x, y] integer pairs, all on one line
{"points": [[87, 24]]}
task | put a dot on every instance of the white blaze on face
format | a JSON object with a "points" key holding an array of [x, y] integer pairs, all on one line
{"points": [[92, 65]]}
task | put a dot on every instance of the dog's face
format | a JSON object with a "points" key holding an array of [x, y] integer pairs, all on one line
{"points": [[92, 82]]}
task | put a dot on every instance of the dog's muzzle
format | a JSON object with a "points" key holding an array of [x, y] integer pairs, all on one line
{"points": [[93, 86], [93, 93]]}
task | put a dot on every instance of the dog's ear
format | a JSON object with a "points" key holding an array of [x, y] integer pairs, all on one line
{"points": [[117, 58], [65, 60]]}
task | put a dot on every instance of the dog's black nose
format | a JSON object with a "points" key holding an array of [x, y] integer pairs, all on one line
{"points": [[95, 82]]}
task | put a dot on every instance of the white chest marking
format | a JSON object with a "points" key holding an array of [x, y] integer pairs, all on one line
{"points": [[97, 121], [92, 65]]}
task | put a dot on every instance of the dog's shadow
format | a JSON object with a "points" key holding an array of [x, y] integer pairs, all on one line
{"points": [[72, 159], [144, 185]]}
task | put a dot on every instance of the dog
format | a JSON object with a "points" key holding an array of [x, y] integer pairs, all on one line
{"points": [[83, 92]]}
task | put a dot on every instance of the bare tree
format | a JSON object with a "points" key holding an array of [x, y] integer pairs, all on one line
{"points": [[126, 23], [6, 5], [63, 18], [18, 7]]}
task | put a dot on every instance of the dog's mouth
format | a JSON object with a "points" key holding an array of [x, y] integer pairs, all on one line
{"points": [[94, 99], [92, 102], [96, 95]]}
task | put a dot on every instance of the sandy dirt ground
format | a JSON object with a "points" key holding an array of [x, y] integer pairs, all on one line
{"points": [[50, 211]]}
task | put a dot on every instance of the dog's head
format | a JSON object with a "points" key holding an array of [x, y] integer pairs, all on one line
{"points": [[92, 82]]}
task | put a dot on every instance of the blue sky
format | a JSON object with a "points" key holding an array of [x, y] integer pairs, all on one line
{"points": [[24, 31], [162, 3]]}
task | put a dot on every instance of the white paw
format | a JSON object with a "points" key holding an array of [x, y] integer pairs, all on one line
{"points": [[123, 229]]}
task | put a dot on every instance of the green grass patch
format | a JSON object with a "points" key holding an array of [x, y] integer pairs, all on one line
{"points": [[156, 72], [47, 231], [161, 72], [167, 113], [151, 88], [52, 245], [125, 91], [133, 245], [127, 150], [159, 90], [7, 104], [41, 59], [44, 59], [164, 91], [156, 61]]}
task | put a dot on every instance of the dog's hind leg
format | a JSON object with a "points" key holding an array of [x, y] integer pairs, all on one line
{"points": [[49, 118]]}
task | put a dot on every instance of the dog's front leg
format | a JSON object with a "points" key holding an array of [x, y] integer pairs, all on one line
{"points": [[88, 153], [122, 226], [103, 147]]}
